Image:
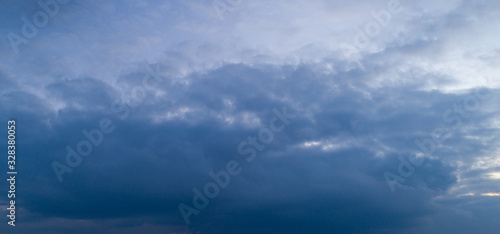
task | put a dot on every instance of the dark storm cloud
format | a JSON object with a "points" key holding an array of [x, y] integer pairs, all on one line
{"points": [[323, 174], [145, 167]]}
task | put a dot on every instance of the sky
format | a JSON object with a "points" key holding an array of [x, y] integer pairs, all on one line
{"points": [[238, 116]]}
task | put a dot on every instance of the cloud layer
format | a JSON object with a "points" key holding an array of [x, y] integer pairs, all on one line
{"points": [[183, 88]]}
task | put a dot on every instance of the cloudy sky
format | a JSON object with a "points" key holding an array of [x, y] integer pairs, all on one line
{"points": [[239, 116]]}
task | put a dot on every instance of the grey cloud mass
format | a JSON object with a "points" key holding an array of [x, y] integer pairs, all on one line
{"points": [[182, 88]]}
